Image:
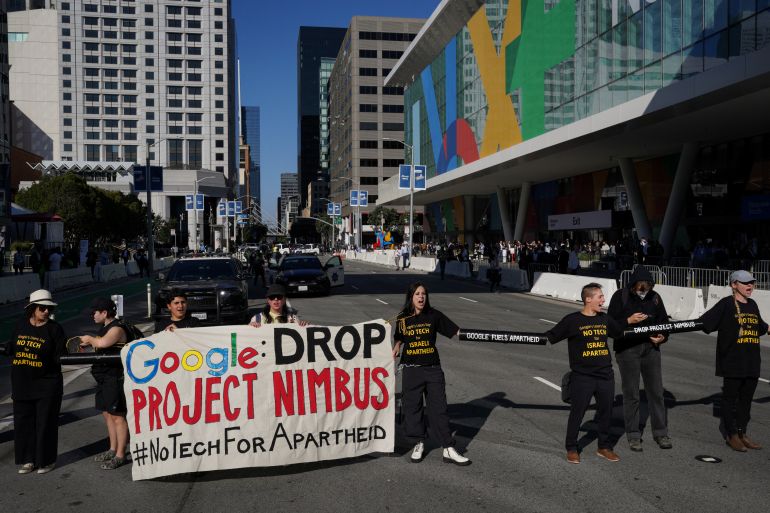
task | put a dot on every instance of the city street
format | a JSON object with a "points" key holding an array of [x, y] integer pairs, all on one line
{"points": [[504, 407]]}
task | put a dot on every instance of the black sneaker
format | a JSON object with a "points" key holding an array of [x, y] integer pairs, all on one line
{"points": [[635, 444], [664, 442]]}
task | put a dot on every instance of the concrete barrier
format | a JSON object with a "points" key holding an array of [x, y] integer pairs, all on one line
{"points": [[112, 272], [762, 297], [428, 264], [567, 286], [681, 303], [18, 287], [455, 268], [67, 278]]}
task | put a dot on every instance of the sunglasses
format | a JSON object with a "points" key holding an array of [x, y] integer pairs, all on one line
{"points": [[747, 282], [273, 298], [45, 308]]}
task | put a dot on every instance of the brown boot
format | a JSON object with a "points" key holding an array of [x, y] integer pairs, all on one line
{"points": [[735, 443], [748, 442]]}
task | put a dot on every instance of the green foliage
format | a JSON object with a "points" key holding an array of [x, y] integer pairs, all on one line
{"points": [[88, 212], [386, 217]]}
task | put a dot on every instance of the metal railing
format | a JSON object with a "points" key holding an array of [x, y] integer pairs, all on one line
{"points": [[657, 274]]}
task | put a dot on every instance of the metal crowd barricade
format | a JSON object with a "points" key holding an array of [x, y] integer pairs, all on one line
{"points": [[702, 278], [677, 276], [761, 266], [657, 274], [763, 280]]}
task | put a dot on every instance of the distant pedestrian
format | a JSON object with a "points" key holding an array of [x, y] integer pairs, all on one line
{"points": [[442, 256], [18, 262], [494, 274], [397, 257], [404, 255], [738, 324]]}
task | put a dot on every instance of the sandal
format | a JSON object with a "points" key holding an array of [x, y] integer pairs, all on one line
{"points": [[105, 456], [114, 463]]}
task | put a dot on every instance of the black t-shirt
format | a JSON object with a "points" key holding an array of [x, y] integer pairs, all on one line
{"points": [[620, 310], [418, 334], [738, 354], [113, 368], [34, 353], [187, 322], [586, 337]]}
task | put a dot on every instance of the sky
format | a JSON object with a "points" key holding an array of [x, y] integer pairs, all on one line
{"points": [[267, 46]]}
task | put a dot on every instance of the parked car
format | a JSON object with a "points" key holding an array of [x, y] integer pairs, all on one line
{"points": [[311, 249], [217, 289], [304, 274]]}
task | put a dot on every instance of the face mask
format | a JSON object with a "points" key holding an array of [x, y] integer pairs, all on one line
{"points": [[641, 293]]}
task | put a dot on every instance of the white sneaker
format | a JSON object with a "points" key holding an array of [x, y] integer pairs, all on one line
{"points": [[46, 469], [26, 468], [452, 456], [417, 452]]}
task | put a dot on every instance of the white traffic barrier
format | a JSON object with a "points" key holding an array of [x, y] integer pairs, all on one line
{"points": [[428, 264], [762, 297], [455, 268], [112, 272], [515, 279], [66, 278], [567, 286], [18, 287], [682, 303]]}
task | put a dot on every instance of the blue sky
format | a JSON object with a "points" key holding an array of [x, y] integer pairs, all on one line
{"points": [[267, 46]]}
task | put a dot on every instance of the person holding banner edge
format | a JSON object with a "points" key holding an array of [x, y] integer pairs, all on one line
{"points": [[738, 324], [417, 326], [590, 363], [641, 356], [179, 318]]}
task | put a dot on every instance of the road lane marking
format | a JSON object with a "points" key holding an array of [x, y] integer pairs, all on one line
{"points": [[471, 300], [546, 382], [546, 320], [764, 380], [381, 301]]}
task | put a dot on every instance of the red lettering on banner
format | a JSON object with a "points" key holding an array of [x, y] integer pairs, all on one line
{"points": [[316, 379], [361, 402], [196, 408], [341, 393], [376, 403], [231, 381], [168, 369], [284, 395], [300, 392], [140, 401], [171, 390], [249, 379], [245, 356], [211, 396], [155, 399]]}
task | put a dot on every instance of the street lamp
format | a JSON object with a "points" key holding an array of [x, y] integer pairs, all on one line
{"points": [[411, 190], [332, 223], [357, 223], [195, 208], [150, 238]]}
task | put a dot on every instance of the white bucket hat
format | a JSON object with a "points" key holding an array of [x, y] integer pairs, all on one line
{"points": [[41, 297]]}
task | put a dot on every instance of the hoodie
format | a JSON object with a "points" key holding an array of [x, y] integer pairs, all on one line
{"points": [[625, 302]]}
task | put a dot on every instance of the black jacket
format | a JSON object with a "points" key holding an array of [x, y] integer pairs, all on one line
{"points": [[625, 302]]}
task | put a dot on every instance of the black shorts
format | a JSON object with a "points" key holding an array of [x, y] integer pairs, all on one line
{"points": [[109, 393]]}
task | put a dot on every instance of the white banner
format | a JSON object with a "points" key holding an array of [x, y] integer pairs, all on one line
{"points": [[235, 396], [581, 220]]}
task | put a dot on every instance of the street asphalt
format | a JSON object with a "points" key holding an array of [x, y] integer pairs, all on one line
{"points": [[504, 408]]}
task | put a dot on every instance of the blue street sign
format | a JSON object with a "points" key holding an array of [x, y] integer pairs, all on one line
{"points": [[238, 207], [222, 208], [188, 202], [199, 202], [404, 176], [363, 199], [243, 216], [420, 173], [330, 209], [230, 209], [337, 209], [353, 198]]}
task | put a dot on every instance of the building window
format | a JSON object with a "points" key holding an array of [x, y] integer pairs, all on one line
{"points": [[368, 162], [367, 125], [220, 157], [393, 109], [392, 162], [368, 54], [175, 153], [392, 54], [367, 72], [371, 145], [92, 152], [195, 153], [367, 89], [367, 107], [129, 153], [393, 127], [395, 91], [111, 152]]}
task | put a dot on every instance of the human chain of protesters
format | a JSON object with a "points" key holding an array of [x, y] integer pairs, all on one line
{"points": [[636, 319]]}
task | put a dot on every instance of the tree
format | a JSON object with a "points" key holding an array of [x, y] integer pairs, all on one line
{"points": [[87, 212], [386, 217], [323, 229]]}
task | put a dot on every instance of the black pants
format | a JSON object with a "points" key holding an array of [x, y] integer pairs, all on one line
{"points": [[582, 389], [430, 381], [36, 430], [642, 360], [442, 266], [737, 394]]}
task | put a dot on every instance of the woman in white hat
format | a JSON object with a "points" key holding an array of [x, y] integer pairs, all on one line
{"points": [[36, 384]]}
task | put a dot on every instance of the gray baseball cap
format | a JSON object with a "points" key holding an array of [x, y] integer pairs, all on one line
{"points": [[742, 276]]}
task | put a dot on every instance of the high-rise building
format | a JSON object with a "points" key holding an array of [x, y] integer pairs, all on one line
{"points": [[313, 44], [250, 135], [366, 118], [289, 205], [5, 128]]}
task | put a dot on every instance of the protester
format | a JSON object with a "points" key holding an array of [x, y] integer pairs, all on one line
{"points": [[110, 399], [18, 262], [641, 355], [738, 324], [36, 384], [276, 310], [591, 367], [442, 258], [417, 326], [179, 318]]}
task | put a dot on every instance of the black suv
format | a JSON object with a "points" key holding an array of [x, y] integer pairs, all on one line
{"points": [[216, 288]]}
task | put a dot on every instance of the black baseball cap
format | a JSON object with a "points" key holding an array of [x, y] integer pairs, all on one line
{"points": [[100, 304], [276, 290]]}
